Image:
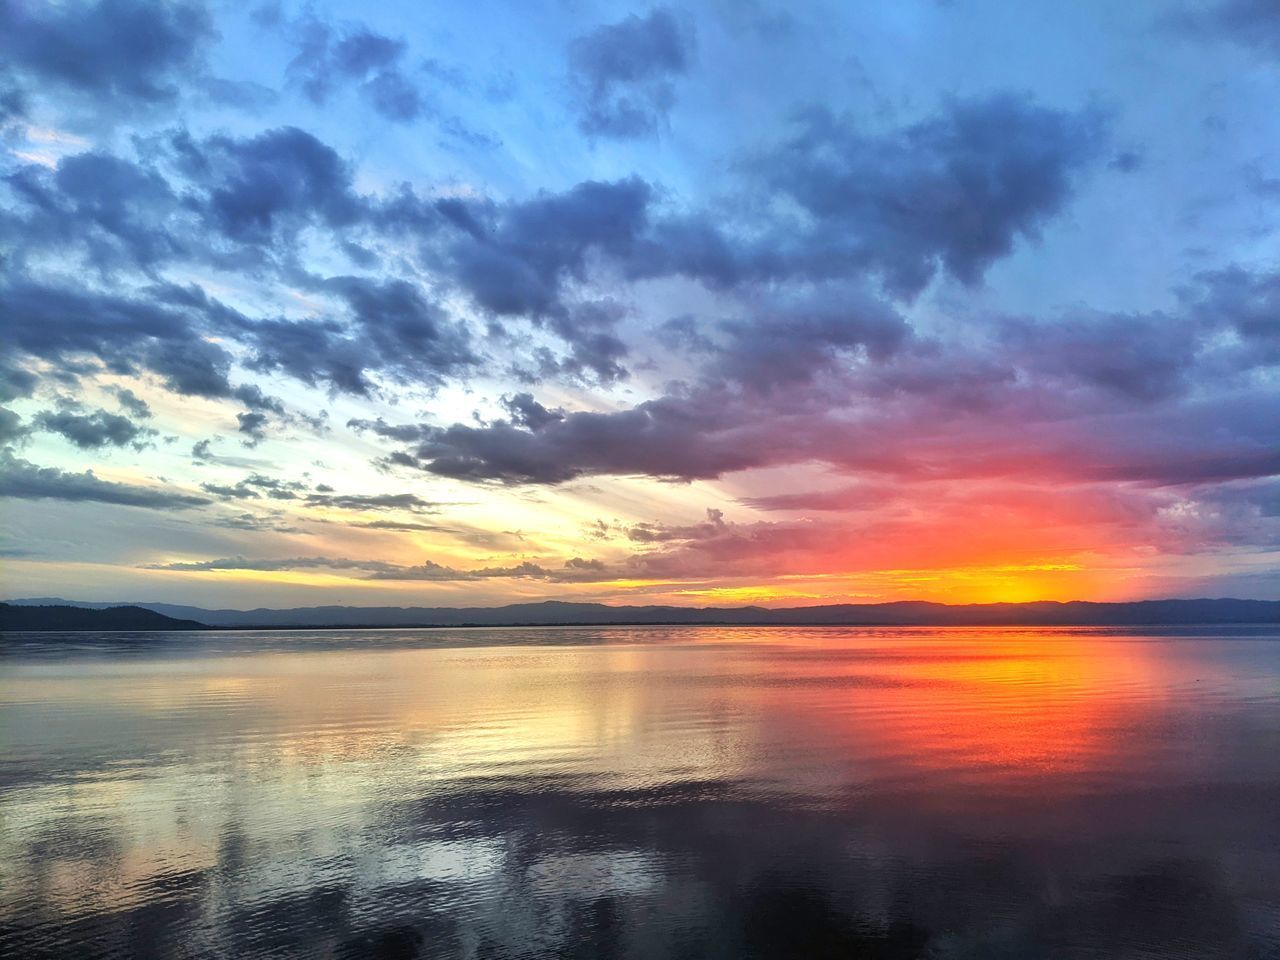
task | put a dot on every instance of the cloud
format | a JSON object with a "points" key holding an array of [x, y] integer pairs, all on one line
{"points": [[624, 73], [663, 533], [528, 412], [952, 192], [130, 402], [293, 563], [1243, 302], [15, 383], [514, 258], [120, 212], [393, 330], [119, 53], [239, 491], [330, 57], [91, 431], [11, 427], [158, 329], [403, 525], [260, 188], [1139, 357], [23, 480], [785, 342], [251, 426], [372, 501], [574, 570], [1251, 23], [667, 437], [202, 452]]}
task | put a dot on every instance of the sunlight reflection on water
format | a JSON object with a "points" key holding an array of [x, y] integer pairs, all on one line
{"points": [[642, 792]]}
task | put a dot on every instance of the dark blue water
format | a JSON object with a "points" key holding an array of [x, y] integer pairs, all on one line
{"points": [[647, 792]]}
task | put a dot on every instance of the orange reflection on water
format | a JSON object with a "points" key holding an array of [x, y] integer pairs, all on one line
{"points": [[976, 706], [159, 761]]}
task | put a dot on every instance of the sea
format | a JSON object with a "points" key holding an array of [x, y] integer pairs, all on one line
{"points": [[642, 792]]}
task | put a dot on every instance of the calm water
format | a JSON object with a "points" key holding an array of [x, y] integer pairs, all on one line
{"points": [[649, 792]]}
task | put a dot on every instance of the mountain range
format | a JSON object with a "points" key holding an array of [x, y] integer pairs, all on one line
{"points": [[64, 616], [557, 613]]}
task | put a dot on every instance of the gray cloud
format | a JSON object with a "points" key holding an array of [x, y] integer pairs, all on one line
{"points": [[118, 52], [574, 570], [624, 73], [131, 403], [11, 426], [23, 480], [377, 501], [1251, 23], [330, 58], [950, 192], [91, 431], [514, 258]]}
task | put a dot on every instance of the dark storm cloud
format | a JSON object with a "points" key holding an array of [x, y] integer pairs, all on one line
{"points": [[91, 431], [23, 480], [117, 52], [624, 73]]}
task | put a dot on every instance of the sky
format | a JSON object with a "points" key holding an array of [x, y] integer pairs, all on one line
{"points": [[706, 304]]}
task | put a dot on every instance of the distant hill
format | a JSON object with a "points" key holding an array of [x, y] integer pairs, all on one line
{"points": [[556, 613], [69, 617]]}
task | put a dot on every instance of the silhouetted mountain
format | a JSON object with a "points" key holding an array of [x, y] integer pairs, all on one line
{"points": [[77, 617], [902, 613]]}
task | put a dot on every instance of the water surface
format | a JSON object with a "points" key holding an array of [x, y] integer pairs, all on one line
{"points": [[642, 792]]}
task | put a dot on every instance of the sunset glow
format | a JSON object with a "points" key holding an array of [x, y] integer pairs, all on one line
{"points": [[303, 308]]}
